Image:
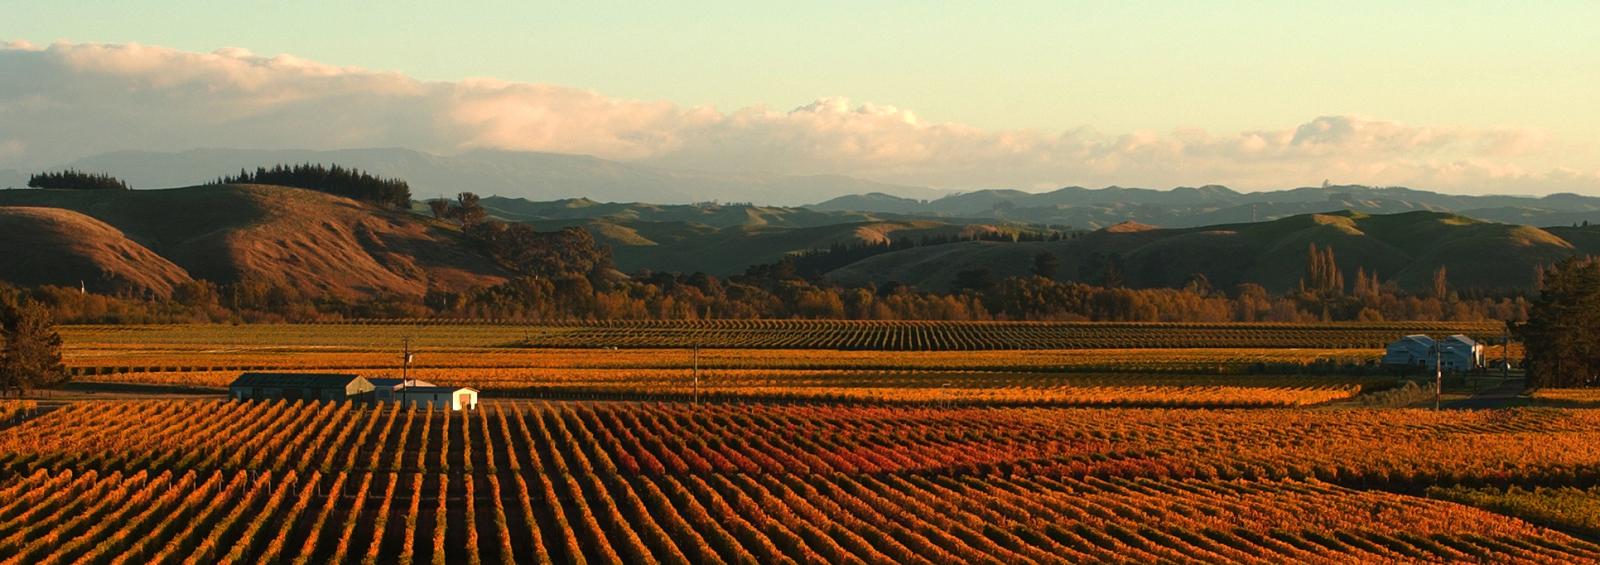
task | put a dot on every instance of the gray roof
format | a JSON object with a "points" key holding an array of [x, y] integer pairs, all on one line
{"points": [[435, 389], [396, 383], [296, 380]]}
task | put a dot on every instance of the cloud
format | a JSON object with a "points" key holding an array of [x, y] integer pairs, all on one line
{"points": [[66, 100]]}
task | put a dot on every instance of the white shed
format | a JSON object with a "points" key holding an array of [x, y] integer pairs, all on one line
{"points": [[439, 397]]}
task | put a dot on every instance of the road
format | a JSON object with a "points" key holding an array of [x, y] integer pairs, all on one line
{"points": [[1507, 394]]}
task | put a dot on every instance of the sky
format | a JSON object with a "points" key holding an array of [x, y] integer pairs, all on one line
{"points": [[1474, 97]]}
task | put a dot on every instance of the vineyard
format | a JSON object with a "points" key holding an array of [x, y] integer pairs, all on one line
{"points": [[493, 359], [806, 334], [208, 481]]}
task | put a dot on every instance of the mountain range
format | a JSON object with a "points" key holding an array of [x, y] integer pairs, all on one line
{"points": [[536, 176], [550, 176]]}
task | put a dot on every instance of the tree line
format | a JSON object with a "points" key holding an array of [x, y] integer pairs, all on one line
{"points": [[342, 181], [76, 180]]}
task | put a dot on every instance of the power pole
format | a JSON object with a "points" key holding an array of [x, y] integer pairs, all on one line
{"points": [[405, 366], [1505, 354], [1439, 373]]}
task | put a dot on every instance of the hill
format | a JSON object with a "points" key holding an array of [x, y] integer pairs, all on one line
{"points": [[538, 176], [317, 243], [1208, 205], [1405, 249], [56, 246], [719, 239]]}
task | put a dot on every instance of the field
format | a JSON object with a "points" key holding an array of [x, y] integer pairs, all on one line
{"points": [[1189, 451], [1176, 365], [649, 482]]}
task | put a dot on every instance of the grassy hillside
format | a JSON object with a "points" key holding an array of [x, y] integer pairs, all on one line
{"points": [[57, 246], [1404, 249], [315, 242]]}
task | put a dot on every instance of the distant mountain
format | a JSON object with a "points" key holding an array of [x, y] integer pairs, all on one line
{"points": [[1198, 206], [536, 176], [1404, 249]]}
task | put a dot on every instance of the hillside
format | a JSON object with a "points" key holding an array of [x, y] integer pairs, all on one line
{"points": [[318, 243], [1209, 205], [718, 239], [57, 246], [1404, 249]]}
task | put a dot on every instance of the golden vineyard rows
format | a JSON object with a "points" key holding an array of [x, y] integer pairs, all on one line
{"points": [[808, 334], [174, 481]]}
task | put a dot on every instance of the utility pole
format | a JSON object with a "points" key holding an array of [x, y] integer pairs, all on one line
{"points": [[1505, 354], [1439, 373], [696, 373], [405, 366]]}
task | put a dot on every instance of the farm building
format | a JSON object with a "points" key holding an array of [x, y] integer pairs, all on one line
{"points": [[1454, 353], [439, 397], [385, 390], [298, 386]]}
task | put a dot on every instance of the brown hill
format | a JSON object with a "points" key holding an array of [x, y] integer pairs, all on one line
{"points": [[56, 246], [315, 242]]}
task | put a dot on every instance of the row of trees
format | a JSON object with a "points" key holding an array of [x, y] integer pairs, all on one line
{"points": [[334, 179], [77, 180]]}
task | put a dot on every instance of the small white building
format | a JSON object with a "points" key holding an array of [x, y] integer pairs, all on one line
{"points": [[1457, 353], [439, 397]]}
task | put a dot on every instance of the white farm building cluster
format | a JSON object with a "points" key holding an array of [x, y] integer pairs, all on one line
{"points": [[354, 388], [1454, 354]]}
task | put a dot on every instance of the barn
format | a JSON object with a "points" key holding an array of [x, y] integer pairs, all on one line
{"points": [[439, 397], [1455, 353], [298, 386]]}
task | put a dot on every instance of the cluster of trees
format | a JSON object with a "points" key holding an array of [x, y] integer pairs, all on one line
{"points": [[520, 248], [347, 182], [31, 355], [1562, 336], [75, 179]]}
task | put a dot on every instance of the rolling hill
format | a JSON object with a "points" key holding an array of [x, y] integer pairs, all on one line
{"points": [[1404, 249], [318, 243], [719, 239], [63, 247], [1209, 205]]}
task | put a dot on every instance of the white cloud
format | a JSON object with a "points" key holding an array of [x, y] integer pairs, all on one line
{"points": [[66, 101]]}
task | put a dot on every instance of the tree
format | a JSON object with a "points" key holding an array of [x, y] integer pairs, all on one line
{"points": [[32, 354], [469, 211], [1562, 335], [1441, 283], [1044, 265], [440, 208]]}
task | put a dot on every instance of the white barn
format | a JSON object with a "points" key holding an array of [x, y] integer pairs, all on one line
{"points": [[439, 397], [1456, 353]]}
